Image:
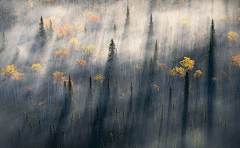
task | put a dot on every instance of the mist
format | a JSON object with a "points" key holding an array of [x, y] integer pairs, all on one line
{"points": [[119, 73]]}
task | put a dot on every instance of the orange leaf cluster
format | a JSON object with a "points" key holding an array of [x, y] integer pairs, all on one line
{"points": [[46, 23], [99, 78], [63, 52], [138, 66], [236, 60], [66, 29], [28, 88], [37, 60], [94, 19], [156, 87], [81, 62], [197, 74], [59, 78], [233, 38], [11, 71], [160, 65], [80, 27]]}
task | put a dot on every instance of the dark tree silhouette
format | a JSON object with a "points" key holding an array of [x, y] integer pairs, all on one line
{"points": [[42, 32], [210, 80], [185, 110]]}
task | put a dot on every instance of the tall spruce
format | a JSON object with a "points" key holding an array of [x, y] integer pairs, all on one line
{"points": [[42, 32], [210, 80], [127, 18], [185, 110], [3, 40], [130, 105], [112, 60], [50, 29], [155, 53], [150, 31], [169, 113]]}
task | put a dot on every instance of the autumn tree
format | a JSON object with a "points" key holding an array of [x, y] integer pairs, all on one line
{"points": [[232, 36], [36, 67], [11, 71], [59, 78], [81, 62], [42, 32], [65, 30], [211, 83]]}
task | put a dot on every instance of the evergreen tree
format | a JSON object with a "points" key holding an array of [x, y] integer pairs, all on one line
{"points": [[210, 76], [112, 60], [50, 29], [155, 53], [3, 41], [185, 110], [150, 31], [42, 32], [127, 18], [130, 103], [169, 112], [114, 27]]}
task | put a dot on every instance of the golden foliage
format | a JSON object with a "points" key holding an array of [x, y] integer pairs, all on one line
{"points": [[66, 29], [81, 62], [160, 65], [232, 36], [80, 27], [18, 76], [138, 66], [73, 41], [59, 78], [89, 14], [224, 19], [46, 23], [10, 71], [180, 71], [236, 60], [63, 52], [201, 39], [99, 78], [28, 88], [214, 78], [172, 72], [156, 87], [49, 0], [94, 19], [187, 63], [30, 4], [36, 67], [180, 1], [177, 71], [197, 74], [89, 50], [185, 20]]}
